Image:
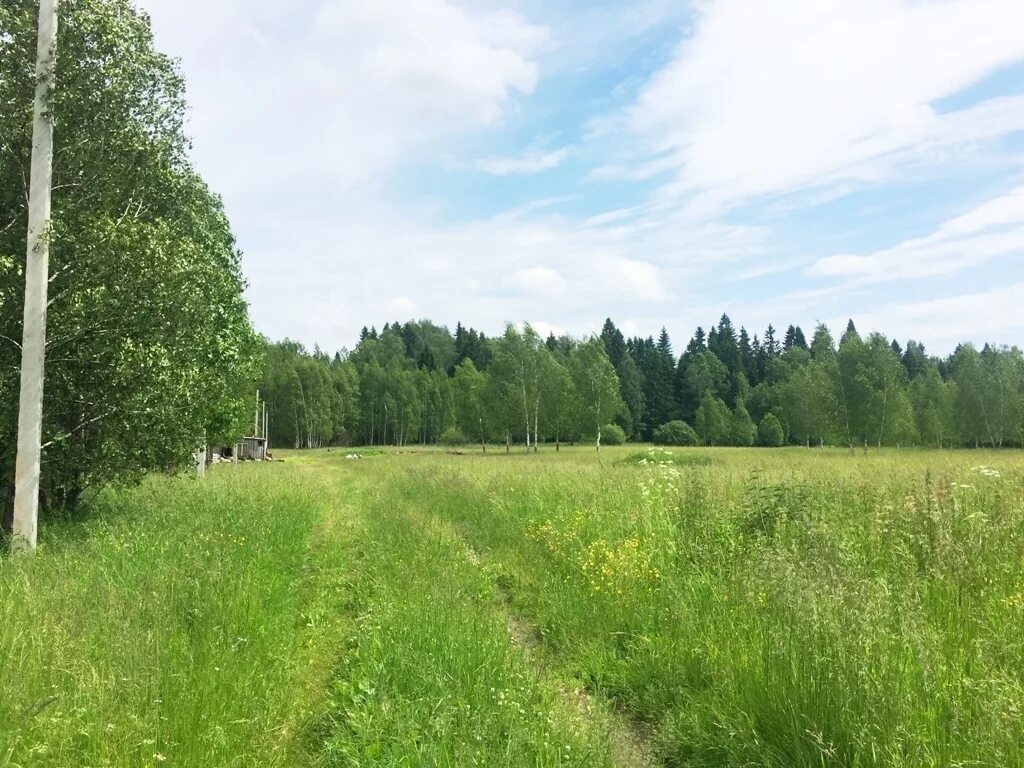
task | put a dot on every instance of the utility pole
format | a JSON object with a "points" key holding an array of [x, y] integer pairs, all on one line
{"points": [[37, 276]]}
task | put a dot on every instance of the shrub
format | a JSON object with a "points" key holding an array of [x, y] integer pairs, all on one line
{"points": [[770, 433], [675, 433], [613, 434], [742, 431], [452, 437], [713, 419]]}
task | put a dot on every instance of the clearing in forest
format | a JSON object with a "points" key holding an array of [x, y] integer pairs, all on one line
{"points": [[644, 607]]}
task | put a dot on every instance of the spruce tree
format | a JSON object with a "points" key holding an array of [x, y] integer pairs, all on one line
{"points": [[614, 342]]}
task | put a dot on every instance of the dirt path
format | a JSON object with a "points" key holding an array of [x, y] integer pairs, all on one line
{"points": [[628, 745]]}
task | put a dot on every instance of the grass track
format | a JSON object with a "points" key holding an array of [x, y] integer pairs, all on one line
{"points": [[774, 608]]}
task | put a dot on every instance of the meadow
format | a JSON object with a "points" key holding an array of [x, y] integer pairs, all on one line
{"points": [[692, 607]]}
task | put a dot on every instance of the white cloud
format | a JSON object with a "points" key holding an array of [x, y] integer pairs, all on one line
{"points": [[541, 282], [765, 100], [984, 316], [432, 56], [530, 161], [311, 118], [343, 92], [639, 278], [992, 230], [544, 328], [486, 272], [402, 306]]}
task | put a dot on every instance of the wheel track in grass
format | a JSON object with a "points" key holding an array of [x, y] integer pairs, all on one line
{"points": [[624, 744], [629, 745]]}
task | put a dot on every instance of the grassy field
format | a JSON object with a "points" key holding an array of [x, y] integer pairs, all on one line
{"points": [[685, 608]]}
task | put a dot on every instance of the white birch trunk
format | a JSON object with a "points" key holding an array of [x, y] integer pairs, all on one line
{"points": [[37, 269]]}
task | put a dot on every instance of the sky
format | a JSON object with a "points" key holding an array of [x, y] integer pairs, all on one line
{"points": [[658, 162]]}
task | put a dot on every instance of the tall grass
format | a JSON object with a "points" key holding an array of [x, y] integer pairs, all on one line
{"points": [[743, 607], [786, 608], [428, 675], [169, 628], [269, 616]]}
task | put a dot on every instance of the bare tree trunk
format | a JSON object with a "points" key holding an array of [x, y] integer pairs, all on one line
{"points": [[536, 425], [526, 405], [37, 268], [881, 427]]}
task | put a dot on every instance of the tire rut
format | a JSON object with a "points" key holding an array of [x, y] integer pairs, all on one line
{"points": [[629, 745]]}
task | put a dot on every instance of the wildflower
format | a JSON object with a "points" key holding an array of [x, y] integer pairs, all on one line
{"points": [[987, 471]]}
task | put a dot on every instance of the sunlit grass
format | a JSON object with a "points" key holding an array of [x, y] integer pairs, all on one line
{"points": [[169, 625], [742, 607], [784, 608]]}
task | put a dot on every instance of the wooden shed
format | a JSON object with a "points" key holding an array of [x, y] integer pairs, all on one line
{"points": [[251, 449]]}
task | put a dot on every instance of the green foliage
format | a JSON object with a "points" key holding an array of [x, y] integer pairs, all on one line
{"points": [[613, 434], [520, 359], [528, 391], [713, 421], [150, 347], [597, 387], [742, 432], [453, 438], [706, 375], [770, 432], [469, 387], [989, 396], [632, 391], [656, 367], [676, 433], [558, 413], [313, 400]]}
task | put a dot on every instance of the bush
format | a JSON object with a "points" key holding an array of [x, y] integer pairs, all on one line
{"points": [[613, 434], [675, 433], [452, 437], [770, 432], [742, 432]]}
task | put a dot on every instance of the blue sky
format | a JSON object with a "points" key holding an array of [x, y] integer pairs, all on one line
{"points": [[657, 162]]}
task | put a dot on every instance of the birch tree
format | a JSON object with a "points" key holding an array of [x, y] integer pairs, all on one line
{"points": [[469, 387], [150, 344], [518, 360], [597, 388]]}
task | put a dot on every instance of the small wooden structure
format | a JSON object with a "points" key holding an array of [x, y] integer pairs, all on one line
{"points": [[251, 449]]}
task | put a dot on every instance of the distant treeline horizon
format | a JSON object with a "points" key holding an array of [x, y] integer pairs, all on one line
{"points": [[419, 382]]}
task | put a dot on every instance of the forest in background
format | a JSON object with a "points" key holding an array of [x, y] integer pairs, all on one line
{"points": [[417, 382]]}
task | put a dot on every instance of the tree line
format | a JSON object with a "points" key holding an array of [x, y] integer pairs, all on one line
{"points": [[419, 383]]}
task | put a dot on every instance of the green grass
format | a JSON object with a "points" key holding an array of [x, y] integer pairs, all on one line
{"points": [[782, 608], [736, 607], [170, 625]]}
